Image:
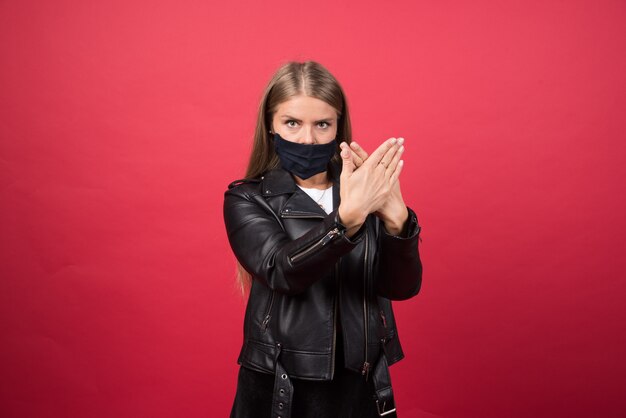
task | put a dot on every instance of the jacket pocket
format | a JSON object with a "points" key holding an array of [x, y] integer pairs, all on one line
{"points": [[268, 312], [387, 326], [383, 318]]}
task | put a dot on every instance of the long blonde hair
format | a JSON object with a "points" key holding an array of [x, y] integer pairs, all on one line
{"points": [[292, 79]]}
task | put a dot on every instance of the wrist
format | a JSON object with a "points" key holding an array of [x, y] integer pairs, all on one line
{"points": [[396, 224], [351, 218], [394, 230]]}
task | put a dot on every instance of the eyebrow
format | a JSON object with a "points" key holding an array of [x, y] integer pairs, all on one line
{"points": [[298, 120]]}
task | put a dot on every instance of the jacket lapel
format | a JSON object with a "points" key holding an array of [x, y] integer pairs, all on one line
{"points": [[299, 204]]}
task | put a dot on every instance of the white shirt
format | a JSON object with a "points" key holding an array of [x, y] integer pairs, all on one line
{"points": [[324, 198]]}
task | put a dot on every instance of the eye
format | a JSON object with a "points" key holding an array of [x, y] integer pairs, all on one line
{"points": [[291, 123], [323, 124]]}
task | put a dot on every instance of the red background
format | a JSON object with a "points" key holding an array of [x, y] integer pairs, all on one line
{"points": [[121, 123]]}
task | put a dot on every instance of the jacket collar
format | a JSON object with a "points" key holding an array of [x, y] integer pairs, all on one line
{"points": [[279, 181]]}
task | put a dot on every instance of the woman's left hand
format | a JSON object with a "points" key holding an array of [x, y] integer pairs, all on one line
{"points": [[394, 212]]}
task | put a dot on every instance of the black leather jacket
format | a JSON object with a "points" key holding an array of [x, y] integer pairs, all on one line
{"points": [[306, 270]]}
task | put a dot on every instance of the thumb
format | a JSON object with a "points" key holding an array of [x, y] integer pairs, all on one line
{"points": [[346, 158]]}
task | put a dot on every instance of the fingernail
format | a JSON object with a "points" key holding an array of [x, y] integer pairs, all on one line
{"points": [[401, 149], [400, 141], [354, 145], [393, 140]]}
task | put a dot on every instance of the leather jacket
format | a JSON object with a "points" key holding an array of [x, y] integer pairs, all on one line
{"points": [[306, 271]]}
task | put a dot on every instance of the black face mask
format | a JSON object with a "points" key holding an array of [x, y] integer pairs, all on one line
{"points": [[304, 160]]}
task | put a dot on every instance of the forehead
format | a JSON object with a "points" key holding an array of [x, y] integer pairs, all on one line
{"points": [[306, 107]]}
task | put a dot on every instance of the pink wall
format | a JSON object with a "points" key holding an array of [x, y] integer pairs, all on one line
{"points": [[121, 123]]}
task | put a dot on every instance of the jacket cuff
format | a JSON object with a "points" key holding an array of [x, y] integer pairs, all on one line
{"points": [[354, 239], [357, 236], [411, 228]]}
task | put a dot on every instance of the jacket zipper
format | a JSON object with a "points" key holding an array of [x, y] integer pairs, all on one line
{"points": [[365, 370], [268, 314], [301, 215], [332, 370], [320, 243]]}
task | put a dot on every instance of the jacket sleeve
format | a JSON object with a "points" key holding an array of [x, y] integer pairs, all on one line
{"points": [[399, 265], [264, 249]]}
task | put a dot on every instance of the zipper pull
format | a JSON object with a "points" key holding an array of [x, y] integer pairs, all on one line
{"points": [[382, 315], [329, 236], [365, 370], [265, 322]]}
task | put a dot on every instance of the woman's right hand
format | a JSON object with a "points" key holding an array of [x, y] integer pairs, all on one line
{"points": [[365, 190]]}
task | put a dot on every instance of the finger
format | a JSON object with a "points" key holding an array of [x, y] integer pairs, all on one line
{"points": [[358, 150], [394, 161], [389, 155], [396, 174], [380, 152], [357, 160], [346, 157]]}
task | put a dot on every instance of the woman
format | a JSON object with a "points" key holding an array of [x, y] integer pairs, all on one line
{"points": [[325, 241]]}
